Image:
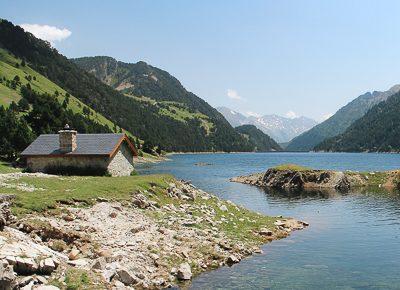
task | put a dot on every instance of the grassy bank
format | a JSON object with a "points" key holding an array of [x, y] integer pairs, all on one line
{"points": [[6, 167], [171, 220], [45, 193]]}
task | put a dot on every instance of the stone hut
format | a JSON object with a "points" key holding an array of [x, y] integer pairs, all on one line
{"points": [[80, 154]]}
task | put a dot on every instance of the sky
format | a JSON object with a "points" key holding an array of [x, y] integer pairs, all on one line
{"points": [[257, 57]]}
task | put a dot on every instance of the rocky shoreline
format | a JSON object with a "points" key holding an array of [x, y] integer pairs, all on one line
{"points": [[293, 178], [160, 238]]}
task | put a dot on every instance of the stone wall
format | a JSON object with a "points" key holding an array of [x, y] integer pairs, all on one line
{"points": [[39, 164], [67, 139], [122, 163]]}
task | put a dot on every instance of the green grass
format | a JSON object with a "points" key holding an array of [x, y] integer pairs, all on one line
{"points": [[50, 191], [77, 279], [7, 95], [293, 167], [180, 113], [242, 224], [176, 111], [376, 179], [41, 85], [6, 167]]}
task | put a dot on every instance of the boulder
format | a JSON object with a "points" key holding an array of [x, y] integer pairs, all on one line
{"points": [[232, 259], [25, 281], [7, 277], [29, 286], [6, 216], [138, 228], [73, 255], [68, 218], [78, 263], [26, 266], [184, 272], [126, 277], [41, 280], [99, 264], [47, 266], [110, 271], [45, 287], [265, 232], [140, 201], [223, 207]]}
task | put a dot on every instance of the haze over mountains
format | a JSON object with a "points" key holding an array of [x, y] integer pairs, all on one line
{"points": [[281, 129]]}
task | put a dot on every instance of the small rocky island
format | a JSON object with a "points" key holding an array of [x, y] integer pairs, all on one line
{"points": [[291, 176]]}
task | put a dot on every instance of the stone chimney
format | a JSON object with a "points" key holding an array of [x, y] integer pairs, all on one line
{"points": [[67, 138]]}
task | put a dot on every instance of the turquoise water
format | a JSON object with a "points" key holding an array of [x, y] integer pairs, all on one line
{"points": [[353, 241]]}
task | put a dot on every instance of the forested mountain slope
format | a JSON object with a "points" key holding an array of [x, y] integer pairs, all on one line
{"points": [[134, 113], [377, 130], [340, 121], [261, 141], [31, 105]]}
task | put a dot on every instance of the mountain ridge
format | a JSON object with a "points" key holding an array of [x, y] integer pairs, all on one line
{"points": [[261, 141], [281, 129], [341, 120], [377, 131]]}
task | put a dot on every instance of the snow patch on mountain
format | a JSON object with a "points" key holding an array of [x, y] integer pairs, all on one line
{"points": [[281, 129]]}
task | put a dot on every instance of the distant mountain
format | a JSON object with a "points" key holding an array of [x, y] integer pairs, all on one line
{"points": [[282, 129], [234, 118], [279, 128], [261, 141], [340, 121], [377, 131]]}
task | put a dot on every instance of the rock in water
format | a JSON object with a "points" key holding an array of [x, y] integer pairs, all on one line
{"points": [[184, 272], [232, 259]]}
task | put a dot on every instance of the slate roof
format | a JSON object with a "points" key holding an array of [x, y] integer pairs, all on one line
{"points": [[87, 144]]}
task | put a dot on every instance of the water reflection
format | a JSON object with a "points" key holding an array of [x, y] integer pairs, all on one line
{"points": [[300, 194]]}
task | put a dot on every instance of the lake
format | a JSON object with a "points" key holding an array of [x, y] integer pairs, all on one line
{"points": [[353, 241]]}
